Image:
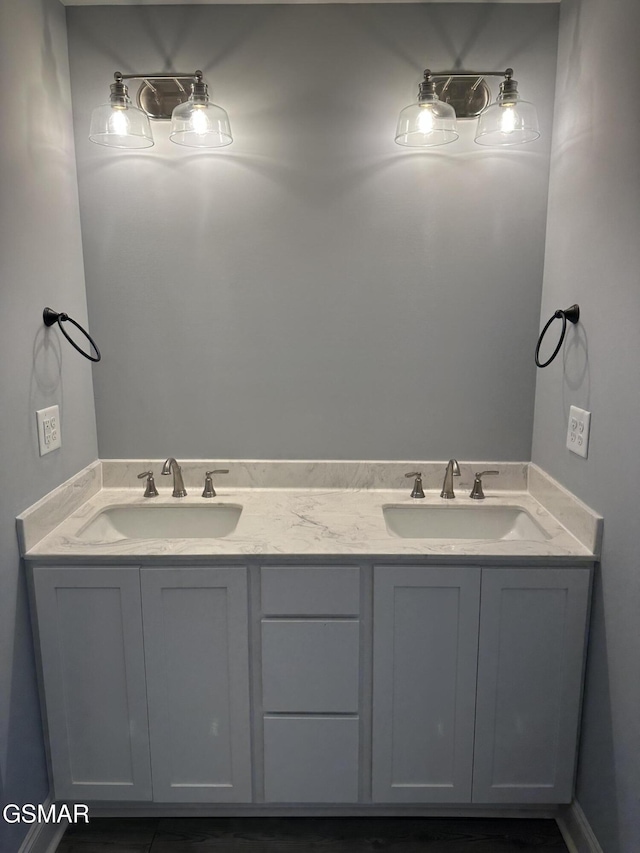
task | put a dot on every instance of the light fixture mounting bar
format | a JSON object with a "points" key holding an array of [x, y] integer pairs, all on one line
{"points": [[161, 75], [162, 91], [468, 98], [507, 73]]}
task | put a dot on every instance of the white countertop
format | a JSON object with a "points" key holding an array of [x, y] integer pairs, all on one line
{"points": [[281, 522]]}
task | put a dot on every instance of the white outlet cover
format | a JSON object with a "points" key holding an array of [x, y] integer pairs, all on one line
{"points": [[49, 435], [578, 431]]}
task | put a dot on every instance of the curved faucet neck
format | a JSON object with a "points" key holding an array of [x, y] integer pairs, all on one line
{"points": [[171, 467], [453, 469]]}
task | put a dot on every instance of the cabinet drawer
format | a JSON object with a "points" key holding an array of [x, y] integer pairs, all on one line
{"points": [[311, 759], [310, 591], [310, 665]]}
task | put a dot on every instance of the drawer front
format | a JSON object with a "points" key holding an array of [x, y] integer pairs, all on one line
{"points": [[313, 591], [311, 759], [310, 666]]}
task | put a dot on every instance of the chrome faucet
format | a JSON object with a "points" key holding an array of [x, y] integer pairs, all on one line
{"points": [[172, 467], [453, 470]]}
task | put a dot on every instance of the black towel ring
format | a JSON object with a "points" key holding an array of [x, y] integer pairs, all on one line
{"points": [[571, 314], [50, 317]]}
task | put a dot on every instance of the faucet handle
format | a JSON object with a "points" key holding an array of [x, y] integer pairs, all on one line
{"points": [[209, 491], [150, 490], [417, 491], [476, 492]]}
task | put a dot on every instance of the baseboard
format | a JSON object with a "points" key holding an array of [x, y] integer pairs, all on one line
{"points": [[44, 837], [271, 810], [576, 831]]}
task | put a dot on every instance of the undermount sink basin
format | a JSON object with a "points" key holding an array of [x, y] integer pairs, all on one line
{"points": [[462, 522], [162, 522]]}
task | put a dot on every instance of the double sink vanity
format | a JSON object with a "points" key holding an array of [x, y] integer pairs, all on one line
{"points": [[312, 638]]}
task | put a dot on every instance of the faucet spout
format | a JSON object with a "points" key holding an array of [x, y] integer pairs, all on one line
{"points": [[453, 470], [171, 467]]}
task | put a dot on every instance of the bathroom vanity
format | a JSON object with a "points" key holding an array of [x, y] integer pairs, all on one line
{"points": [[310, 659]]}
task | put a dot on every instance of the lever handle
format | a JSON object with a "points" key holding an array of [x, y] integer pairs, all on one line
{"points": [[209, 490], [150, 490], [417, 491], [476, 492]]}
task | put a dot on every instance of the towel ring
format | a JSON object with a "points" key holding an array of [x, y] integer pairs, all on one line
{"points": [[572, 314], [50, 317]]}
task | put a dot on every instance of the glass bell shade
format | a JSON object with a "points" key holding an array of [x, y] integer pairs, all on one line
{"points": [[426, 124], [200, 125], [509, 121], [120, 125]]}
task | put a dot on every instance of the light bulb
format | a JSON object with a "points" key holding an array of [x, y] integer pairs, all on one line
{"points": [[425, 120], [199, 121], [508, 119], [119, 122]]}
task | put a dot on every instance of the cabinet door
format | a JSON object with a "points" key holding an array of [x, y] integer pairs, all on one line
{"points": [[90, 627], [425, 642], [197, 656], [530, 662]]}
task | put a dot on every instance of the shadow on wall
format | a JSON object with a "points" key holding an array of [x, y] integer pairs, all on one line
{"points": [[479, 19], [575, 370], [25, 752], [46, 372], [183, 21], [597, 673], [48, 134]]}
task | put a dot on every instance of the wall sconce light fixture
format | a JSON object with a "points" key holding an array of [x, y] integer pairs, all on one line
{"points": [[195, 121], [445, 96]]}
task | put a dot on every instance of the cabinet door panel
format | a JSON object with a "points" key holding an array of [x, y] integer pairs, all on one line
{"points": [[424, 678], [532, 635], [310, 666], [90, 626], [196, 645], [311, 759]]}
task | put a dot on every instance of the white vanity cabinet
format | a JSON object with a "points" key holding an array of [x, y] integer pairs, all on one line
{"points": [[425, 649], [196, 643], [89, 626], [345, 685]]}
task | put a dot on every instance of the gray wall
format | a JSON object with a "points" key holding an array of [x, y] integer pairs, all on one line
{"points": [[314, 290], [40, 264], [593, 257]]}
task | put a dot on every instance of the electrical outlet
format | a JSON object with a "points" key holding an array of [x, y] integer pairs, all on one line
{"points": [[49, 437], [578, 431]]}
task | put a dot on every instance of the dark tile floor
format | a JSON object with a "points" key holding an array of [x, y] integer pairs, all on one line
{"points": [[313, 835]]}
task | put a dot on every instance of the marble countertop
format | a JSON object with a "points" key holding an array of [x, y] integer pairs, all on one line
{"points": [[295, 522]]}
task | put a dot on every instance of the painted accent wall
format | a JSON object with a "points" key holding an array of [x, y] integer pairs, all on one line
{"points": [[40, 264], [593, 258], [314, 290]]}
